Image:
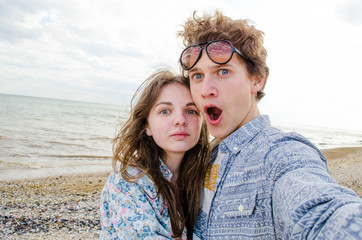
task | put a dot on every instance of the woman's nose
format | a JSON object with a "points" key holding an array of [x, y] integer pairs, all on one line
{"points": [[180, 120]]}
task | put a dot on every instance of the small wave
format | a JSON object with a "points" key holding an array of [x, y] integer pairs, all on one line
{"points": [[34, 145], [67, 144], [101, 138], [7, 165], [50, 165], [35, 165], [19, 155], [77, 156]]}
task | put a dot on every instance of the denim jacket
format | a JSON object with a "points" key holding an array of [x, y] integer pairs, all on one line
{"points": [[275, 185]]}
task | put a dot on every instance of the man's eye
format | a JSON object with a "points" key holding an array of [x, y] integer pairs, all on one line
{"points": [[224, 72], [197, 76]]}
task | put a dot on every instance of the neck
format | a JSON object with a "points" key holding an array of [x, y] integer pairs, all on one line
{"points": [[173, 163], [253, 113]]}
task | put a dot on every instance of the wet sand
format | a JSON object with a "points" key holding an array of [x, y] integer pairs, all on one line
{"points": [[67, 207], [345, 166]]}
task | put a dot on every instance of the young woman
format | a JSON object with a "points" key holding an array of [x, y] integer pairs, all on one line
{"points": [[160, 160]]}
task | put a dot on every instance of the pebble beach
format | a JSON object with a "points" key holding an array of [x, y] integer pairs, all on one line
{"points": [[67, 207], [62, 207]]}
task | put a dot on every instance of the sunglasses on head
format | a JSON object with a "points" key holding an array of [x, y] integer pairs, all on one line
{"points": [[219, 51]]}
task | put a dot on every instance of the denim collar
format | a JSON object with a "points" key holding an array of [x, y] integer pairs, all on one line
{"points": [[235, 141]]}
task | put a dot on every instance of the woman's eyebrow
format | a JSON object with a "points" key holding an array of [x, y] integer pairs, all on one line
{"points": [[166, 103], [170, 104], [191, 104]]}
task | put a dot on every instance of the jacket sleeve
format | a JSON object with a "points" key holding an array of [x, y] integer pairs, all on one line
{"points": [[307, 202], [127, 214]]}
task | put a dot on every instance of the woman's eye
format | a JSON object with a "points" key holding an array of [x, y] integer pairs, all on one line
{"points": [[191, 111], [164, 112], [224, 72]]}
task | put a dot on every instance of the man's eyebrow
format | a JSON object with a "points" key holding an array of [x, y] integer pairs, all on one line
{"points": [[194, 69], [213, 66]]}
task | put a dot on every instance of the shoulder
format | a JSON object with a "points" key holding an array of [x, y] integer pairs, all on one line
{"points": [[280, 144], [274, 136], [129, 210], [285, 151], [141, 186]]}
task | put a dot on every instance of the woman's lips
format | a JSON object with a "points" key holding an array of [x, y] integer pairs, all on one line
{"points": [[180, 135]]}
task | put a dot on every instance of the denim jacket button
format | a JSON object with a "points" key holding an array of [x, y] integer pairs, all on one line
{"points": [[241, 208], [235, 148]]}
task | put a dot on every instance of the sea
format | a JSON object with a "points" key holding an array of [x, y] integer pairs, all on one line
{"points": [[42, 137]]}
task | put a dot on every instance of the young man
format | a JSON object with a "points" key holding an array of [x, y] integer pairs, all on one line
{"points": [[263, 183]]}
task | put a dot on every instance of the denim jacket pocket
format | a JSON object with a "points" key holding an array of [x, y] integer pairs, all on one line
{"points": [[242, 205]]}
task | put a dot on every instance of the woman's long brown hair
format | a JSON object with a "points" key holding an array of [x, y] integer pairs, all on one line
{"points": [[132, 147]]}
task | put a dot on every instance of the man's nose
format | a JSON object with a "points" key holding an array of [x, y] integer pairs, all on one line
{"points": [[208, 87]]}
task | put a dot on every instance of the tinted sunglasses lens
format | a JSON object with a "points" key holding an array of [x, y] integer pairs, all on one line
{"points": [[189, 56], [220, 51]]}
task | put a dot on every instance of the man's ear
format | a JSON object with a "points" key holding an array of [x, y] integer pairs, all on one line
{"points": [[257, 84], [148, 131]]}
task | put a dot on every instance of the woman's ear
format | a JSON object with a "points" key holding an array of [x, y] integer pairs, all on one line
{"points": [[257, 84], [148, 132]]}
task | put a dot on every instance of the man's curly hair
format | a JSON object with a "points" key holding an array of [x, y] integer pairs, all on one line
{"points": [[244, 36]]}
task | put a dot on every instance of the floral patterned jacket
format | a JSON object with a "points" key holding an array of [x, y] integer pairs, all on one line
{"points": [[134, 210]]}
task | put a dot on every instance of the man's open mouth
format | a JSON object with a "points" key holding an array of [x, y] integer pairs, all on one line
{"points": [[214, 113]]}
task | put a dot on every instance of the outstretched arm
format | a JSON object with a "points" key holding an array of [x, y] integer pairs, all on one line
{"points": [[309, 204]]}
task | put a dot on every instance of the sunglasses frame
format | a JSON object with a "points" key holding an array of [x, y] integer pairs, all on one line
{"points": [[233, 49]]}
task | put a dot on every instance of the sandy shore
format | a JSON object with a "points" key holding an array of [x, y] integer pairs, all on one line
{"points": [[67, 207], [345, 166]]}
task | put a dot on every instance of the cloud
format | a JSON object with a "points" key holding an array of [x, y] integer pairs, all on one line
{"points": [[351, 11], [102, 50], [52, 45], [18, 19]]}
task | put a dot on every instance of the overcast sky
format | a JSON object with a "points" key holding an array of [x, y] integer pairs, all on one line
{"points": [[101, 50]]}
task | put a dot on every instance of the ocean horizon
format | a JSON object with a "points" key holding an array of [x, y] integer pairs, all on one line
{"points": [[42, 137]]}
